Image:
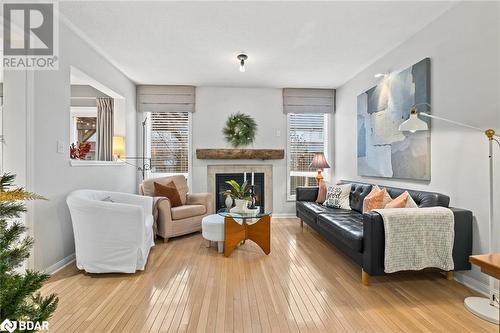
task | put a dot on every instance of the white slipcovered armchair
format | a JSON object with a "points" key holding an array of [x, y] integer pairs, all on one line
{"points": [[113, 231]]}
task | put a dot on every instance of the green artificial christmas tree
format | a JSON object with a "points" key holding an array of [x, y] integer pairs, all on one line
{"points": [[19, 299]]}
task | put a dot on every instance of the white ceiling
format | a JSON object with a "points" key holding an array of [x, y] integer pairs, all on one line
{"points": [[289, 44]]}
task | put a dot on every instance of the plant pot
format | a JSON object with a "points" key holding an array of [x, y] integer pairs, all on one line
{"points": [[240, 205]]}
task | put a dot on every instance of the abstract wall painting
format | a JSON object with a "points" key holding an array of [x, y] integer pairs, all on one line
{"points": [[384, 151]]}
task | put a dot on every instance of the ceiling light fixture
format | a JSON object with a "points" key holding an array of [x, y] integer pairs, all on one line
{"points": [[242, 57]]}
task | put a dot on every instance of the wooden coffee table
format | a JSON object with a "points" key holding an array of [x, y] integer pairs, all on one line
{"points": [[238, 227]]}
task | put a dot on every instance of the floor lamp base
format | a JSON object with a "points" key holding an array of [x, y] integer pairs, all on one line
{"points": [[481, 307]]}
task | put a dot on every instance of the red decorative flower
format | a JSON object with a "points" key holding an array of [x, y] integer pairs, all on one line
{"points": [[79, 152]]}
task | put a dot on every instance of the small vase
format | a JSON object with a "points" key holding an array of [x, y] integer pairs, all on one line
{"points": [[240, 205], [228, 202]]}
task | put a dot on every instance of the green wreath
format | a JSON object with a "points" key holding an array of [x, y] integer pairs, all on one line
{"points": [[240, 129]]}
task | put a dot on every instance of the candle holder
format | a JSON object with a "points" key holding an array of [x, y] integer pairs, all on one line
{"points": [[251, 191]]}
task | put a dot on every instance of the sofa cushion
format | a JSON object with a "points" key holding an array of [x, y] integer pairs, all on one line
{"points": [[312, 209], [346, 225], [358, 193], [183, 212]]}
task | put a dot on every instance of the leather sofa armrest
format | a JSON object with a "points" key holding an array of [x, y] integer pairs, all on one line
{"points": [[204, 199], [306, 193], [373, 243], [462, 245]]}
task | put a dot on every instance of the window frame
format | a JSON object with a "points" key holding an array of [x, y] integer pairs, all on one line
{"points": [[188, 175], [326, 142], [77, 112]]}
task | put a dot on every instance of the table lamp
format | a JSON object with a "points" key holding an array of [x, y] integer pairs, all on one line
{"points": [[118, 146], [319, 163]]}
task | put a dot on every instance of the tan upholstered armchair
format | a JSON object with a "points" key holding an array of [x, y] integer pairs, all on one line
{"points": [[181, 220]]}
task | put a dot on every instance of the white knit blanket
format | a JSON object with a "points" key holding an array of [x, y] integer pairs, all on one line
{"points": [[418, 238]]}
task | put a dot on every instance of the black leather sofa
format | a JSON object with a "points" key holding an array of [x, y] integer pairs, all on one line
{"points": [[361, 236]]}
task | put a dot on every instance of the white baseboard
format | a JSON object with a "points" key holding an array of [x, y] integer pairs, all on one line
{"points": [[284, 216], [476, 285], [60, 264]]}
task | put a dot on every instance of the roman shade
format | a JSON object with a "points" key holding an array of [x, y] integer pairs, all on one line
{"points": [[303, 100], [165, 98]]}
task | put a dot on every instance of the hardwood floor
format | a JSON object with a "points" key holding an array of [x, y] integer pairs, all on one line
{"points": [[304, 285]]}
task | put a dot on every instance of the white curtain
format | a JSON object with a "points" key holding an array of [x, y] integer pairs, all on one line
{"points": [[105, 129]]}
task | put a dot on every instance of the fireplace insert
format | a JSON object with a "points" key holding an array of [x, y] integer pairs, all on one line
{"points": [[221, 186]]}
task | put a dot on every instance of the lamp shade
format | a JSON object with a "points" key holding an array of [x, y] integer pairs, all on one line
{"points": [[319, 162], [118, 146], [413, 124]]}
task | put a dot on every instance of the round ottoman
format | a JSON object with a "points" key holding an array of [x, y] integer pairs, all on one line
{"points": [[212, 229]]}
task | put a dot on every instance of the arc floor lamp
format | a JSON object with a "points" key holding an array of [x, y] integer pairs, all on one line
{"points": [[485, 308]]}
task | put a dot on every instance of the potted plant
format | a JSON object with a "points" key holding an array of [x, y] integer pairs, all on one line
{"points": [[19, 295], [239, 193]]}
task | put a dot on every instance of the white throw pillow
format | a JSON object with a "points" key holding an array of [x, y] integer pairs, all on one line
{"points": [[411, 203], [337, 196]]}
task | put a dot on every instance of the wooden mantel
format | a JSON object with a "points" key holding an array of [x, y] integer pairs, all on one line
{"points": [[240, 154]]}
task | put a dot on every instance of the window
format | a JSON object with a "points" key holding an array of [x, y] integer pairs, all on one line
{"points": [[169, 143], [307, 135], [83, 128]]}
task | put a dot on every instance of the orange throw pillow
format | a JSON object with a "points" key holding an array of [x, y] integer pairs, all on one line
{"points": [[400, 201], [373, 200], [168, 191], [322, 189], [376, 199]]}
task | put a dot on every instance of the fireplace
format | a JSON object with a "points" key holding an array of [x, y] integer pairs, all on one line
{"points": [[263, 180], [221, 186]]}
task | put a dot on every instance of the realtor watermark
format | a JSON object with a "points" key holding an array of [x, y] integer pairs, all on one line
{"points": [[12, 325], [30, 36]]}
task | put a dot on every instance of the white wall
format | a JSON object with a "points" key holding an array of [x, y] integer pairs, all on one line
{"points": [[214, 105], [53, 177], [464, 47], [14, 124]]}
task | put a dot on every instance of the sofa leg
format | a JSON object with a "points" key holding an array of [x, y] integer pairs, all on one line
{"points": [[364, 277], [207, 243], [449, 276], [165, 239], [301, 224]]}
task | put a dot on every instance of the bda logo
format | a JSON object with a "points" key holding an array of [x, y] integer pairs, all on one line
{"points": [[8, 325]]}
